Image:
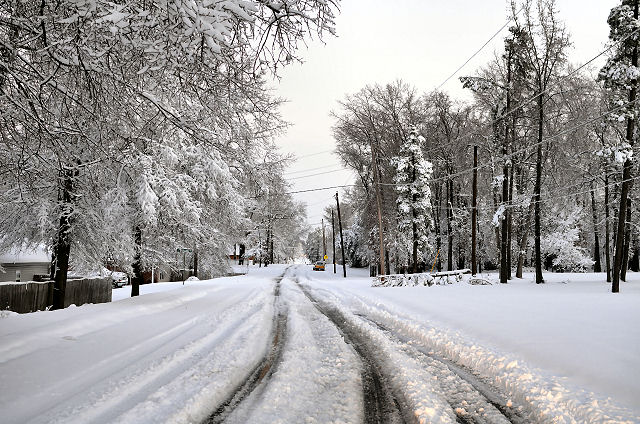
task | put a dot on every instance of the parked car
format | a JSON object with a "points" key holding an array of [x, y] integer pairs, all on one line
{"points": [[119, 279], [318, 266]]}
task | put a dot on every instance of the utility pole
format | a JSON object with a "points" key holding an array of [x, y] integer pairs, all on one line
{"points": [[344, 263], [324, 242], [376, 179], [474, 213], [333, 240]]}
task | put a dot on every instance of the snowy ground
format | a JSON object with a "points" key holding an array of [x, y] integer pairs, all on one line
{"points": [[313, 347]]}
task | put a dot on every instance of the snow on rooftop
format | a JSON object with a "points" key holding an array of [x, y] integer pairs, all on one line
{"points": [[26, 255]]}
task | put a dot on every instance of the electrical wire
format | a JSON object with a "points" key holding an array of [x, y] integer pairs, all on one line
{"points": [[524, 103], [314, 154], [522, 150], [309, 169], [506, 114], [319, 173], [476, 53], [320, 189], [567, 76]]}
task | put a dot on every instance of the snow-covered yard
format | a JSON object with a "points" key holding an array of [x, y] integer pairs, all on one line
{"points": [[567, 351], [572, 331]]}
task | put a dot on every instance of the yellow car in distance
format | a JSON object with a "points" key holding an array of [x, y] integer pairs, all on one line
{"points": [[318, 266]]}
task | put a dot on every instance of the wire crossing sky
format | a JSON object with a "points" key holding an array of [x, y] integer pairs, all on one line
{"points": [[421, 42]]}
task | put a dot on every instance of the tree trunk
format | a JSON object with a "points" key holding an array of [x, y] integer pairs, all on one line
{"points": [[505, 182], [271, 248], [522, 246], [537, 190], [386, 258], [607, 235], [137, 264], [597, 266], [510, 223], [195, 262], [449, 225], [437, 199], [626, 178], [267, 255], [496, 227], [620, 233], [63, 243], [414, 216], [52, 266], [634, 265], [627, 242]]}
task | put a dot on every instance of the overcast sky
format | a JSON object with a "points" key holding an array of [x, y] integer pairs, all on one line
{"points": [[419, 41]]}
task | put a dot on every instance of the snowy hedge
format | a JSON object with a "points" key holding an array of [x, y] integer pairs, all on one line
{"points": [[420, 279]]}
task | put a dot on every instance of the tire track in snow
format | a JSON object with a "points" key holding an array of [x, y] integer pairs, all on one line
{"points": [[129, 388], [380, 404], [491, 395], [263, 371]]}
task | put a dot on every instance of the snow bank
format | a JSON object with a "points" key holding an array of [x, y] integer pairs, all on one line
{"points": [[167, 356], [569, 349]]}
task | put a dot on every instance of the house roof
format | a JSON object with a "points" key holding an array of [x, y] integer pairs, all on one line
{"points": [[38, 254]]}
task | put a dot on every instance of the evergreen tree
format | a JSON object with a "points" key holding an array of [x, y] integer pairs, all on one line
{"points": [[414, 196], [620, 77]]}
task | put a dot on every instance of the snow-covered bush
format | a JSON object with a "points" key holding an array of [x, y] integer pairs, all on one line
{"points": [[403, 280], [560, 246]]}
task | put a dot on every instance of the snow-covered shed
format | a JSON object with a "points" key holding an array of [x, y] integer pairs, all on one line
{"points": [[21, 264]]}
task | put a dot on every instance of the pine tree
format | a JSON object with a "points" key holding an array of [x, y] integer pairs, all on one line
{"points": [[620, 77], [414, 196]]}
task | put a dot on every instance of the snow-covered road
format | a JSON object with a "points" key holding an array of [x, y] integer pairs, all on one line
{"points": [[276, 346]]}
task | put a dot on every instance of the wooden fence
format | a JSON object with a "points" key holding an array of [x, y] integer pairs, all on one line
{"points": [[31, 297]]}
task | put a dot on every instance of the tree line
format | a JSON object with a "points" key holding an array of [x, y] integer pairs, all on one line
{"points": [[129, 131], [554, 171]]}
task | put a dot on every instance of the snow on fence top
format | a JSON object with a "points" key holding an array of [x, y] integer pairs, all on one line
{"points": [[419, 279]]}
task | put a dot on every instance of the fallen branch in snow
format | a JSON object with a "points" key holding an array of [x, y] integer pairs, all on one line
{"points": [[477, 281], [419, 279]]}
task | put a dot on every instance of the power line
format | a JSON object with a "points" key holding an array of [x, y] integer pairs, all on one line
{"points": [[526, 102], [546, 199], [524, 149], [314, 154], [321, 201], [309, 169], [465, 171], [319, 173], [321, 188], [475, 54]]}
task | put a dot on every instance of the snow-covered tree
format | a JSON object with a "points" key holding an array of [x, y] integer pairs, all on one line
{"points": [[620, 76], [313, 245], [560, 246], [356, 250], [413, 173], [545, 42], [93, 93]]}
